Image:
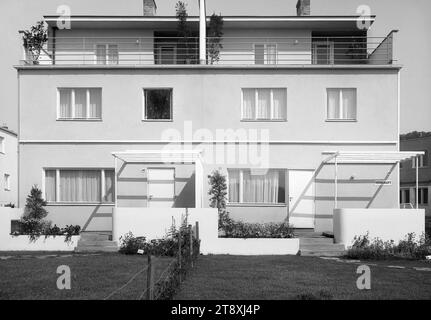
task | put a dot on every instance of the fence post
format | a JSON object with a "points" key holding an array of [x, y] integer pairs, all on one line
{"points": [[150, 278], [191, 244], [179, 252], [197, 230]]}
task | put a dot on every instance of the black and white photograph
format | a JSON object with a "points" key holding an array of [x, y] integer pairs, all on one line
{"points": [[214, 156]]}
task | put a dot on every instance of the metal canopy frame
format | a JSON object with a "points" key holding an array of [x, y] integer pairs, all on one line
{"points": [[372, 157], [163, 157]]}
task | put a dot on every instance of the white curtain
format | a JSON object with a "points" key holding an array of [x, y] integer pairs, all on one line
{"points": [[65, 103], [80, 103], [109, 186], [349, 104], [95, 103], [80, 185], [260, 188], [249, 104], [50, 185], [264, 104], [233, 185], [333, 104], [280, 104]]}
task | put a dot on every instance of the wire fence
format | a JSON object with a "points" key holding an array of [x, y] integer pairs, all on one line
{"points": [[186, 250]]}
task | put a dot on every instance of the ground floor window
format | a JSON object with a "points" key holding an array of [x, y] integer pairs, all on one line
{"points": [[79, 185], [257, 186], [408, 196]]}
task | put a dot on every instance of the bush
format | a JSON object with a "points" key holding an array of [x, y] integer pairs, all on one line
{"points": [[376, 249], [129, 244]]}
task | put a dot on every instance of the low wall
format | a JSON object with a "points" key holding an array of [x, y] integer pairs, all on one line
{"points": [[386, 224], [23, 243], [155, 223]]}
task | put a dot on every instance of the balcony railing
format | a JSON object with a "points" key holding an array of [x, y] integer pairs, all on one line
{"points": [[341, 50]]}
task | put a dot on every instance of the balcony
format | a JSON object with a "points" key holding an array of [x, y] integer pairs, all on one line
{"points": [[236, 51]]}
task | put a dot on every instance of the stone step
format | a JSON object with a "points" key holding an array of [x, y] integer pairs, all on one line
{"points": [[96, 236], [322, 247], [96, 243], [96, 249], [321, 240], [312, 253]]}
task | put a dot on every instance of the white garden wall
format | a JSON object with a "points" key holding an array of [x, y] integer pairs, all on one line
{"points": [[386, 224], [23, 243]]}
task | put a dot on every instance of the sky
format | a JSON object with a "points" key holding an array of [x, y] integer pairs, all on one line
{"points": [[412, 43]]}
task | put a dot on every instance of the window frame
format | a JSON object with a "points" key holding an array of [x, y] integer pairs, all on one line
{"points": [[6, 178], [340, 101], [422, 159], [265, 52], [78, 203], [72, 103], [2, 145], [106, 44], [144, 105], [256, 100], [241, 202]]}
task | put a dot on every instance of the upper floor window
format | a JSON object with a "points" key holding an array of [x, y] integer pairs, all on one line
{"points": [[80, 104], [158, 104], [341, 104], [257, 186], [265, 53], [106, 53], [7, 182], [264, 104], [323, 52], [166, 53], [422, 161], [2, 147], [79, 185]]}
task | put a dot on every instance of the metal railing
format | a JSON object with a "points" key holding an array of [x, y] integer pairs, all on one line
{"points": [[227, 50]]}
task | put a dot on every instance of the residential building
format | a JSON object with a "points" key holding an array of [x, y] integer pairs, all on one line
{"points": [[300, 90], [408, 195], [8, 167]]}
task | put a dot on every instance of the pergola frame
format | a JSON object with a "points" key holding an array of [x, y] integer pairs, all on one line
{"points": [[163, 157], [372, 157]]}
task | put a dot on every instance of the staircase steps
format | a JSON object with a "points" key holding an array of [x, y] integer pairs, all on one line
{"points": [[314, 244], [96, 241]]}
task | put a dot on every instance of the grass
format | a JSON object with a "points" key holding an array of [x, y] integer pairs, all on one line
{"points": [[307, 278], [92, 277]]}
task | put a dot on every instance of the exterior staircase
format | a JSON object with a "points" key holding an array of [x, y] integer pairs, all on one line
{"points": [[313, 244], [96, 241]]}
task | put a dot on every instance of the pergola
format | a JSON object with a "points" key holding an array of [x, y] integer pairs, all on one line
{"points": [[164, 157], [364, 157]]}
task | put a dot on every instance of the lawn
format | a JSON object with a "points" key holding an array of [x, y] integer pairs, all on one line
{"points": [[92, 276], [288, 277]]}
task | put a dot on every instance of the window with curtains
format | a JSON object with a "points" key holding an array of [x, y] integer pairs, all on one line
{"points": [[422, 161], [265, 53], [106, 53], [341, 104], [80, 103], [264, 104], [257, 186], [79, 185]]}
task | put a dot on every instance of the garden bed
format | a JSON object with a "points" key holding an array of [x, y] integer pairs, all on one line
{"points": [[42, 243]]}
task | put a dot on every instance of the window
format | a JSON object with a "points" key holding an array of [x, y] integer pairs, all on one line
{"points": [[157, 104], [80, 104], [422, 196], [166, 53], [341, 104], [265, 53], [264, 104], [423, 161], [405, 196], [257, 186], [106, 54], [2, 148], [7, 182], [79, 185], [323, 52]]}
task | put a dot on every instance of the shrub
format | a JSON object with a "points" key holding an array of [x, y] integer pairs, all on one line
{"points": [[34, 40], [376, 249], [129, 244]]}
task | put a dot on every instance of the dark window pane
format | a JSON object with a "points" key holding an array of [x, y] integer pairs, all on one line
{"points": [[158, 104], [425, 200]]}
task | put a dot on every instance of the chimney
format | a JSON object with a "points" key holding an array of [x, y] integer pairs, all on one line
{"points": [[150, 8], [303, 8]]}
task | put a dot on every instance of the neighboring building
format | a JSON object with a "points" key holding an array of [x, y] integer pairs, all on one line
{"points": [[408, 174], [8, 167], [302, 87]]}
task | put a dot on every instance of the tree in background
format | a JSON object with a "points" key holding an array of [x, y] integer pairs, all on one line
{"points": [[183, 29], [35, 205], [215, 33], [34, 40]]}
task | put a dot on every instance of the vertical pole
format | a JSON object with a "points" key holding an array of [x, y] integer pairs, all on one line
{"points": [[417, 182], [150, 278], [336, 185], [179, 252], [197, 230], [202, 32], [191, 244]]}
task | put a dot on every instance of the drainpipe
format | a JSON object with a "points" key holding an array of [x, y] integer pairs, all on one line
{"points": [[202, 32]]}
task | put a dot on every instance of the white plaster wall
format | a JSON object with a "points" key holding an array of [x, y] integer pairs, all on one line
{"points": [[386, 224], [9, 165]]}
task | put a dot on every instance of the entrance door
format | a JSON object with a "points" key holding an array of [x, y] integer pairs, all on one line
{"points": [[301, 199], [161, 187]]}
